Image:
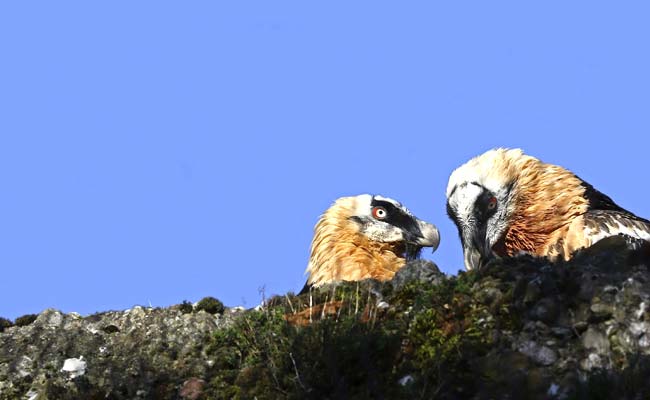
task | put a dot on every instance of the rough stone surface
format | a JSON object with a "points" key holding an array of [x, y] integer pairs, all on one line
{"points": [[418, 270], [137, 353], [518, 328]]}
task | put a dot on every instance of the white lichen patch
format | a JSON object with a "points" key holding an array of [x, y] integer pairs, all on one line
{"points": [[593, 361], [74, 367], [642, 309], [24, 367], [51, 318]]}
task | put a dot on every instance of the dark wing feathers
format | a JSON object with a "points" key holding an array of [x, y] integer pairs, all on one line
{"points": [[606, 218], [602, 223], [599, 201]]}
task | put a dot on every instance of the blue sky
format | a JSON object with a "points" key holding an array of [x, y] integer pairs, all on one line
{"points": [[152, 152]]}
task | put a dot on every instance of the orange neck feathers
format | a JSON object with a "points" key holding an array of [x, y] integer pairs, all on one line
{"points": [[547, 198], [339, 252]]}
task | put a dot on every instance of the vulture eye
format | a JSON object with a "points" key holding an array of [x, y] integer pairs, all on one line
{"points": [[379, 213], [492, 203]]}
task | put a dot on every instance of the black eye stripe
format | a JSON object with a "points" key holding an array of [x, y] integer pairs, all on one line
{"points": [[482, 208], [396, 216], [386, 205]]}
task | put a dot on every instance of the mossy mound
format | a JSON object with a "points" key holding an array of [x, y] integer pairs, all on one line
{"points": [[210, 305], [520, 326]]}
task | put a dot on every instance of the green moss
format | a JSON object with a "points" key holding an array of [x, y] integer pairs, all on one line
{"points": [[17, 389], [25, 319], [361, 351], [439, 335], [454, 339], [210, 305], [264, 356]]}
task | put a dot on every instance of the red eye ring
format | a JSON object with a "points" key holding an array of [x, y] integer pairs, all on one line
{"points": [[492, 203], [379, 212]]}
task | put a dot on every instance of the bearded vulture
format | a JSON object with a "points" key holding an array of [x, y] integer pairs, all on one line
{"points": [[364, 237], [505, 203]]}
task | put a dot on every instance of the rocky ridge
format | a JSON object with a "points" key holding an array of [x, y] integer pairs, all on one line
{"points": [[574, 330]]}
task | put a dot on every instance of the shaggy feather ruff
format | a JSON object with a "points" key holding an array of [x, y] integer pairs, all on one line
{"points": [[551, 211], [340, 252]]}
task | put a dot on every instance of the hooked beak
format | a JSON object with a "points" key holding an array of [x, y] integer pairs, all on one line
{"points": [[423, 235], [475, 258]]}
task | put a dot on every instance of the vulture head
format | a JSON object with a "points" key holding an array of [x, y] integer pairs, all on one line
{"points": [[364, 237], [505, 203]]}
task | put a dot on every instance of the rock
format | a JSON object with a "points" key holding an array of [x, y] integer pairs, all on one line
{"points": [[50, 318], [487, 292], [546, 310], [418, 271], [594, 339], [610, 289], [640, 332], [562, 332], [137, 347], [540, 354], [24, 366], [192, 389], [520, 327], [601, 312], [580, 326], [592, 361], [74, 367], [533, 291]]}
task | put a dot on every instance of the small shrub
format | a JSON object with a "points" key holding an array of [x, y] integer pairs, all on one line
{"points": [[4, 324], [25, 320], [186, 307], [210, 305]]}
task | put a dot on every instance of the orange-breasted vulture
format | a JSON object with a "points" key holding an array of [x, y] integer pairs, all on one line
{"points": [[505, 203], [364, 237]]}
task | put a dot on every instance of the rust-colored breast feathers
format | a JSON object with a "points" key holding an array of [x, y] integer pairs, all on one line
{"points": [[547, 200]]}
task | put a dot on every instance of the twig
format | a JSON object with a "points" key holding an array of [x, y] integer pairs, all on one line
{"points": [[338, 314], [310, 306], [262, 291], [356, 306], [295, 368], [369, 307], [290, 305], [322, 314], [275, 378]]}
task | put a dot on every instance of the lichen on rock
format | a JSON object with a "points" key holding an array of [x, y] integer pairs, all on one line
{"points": [[570, 330]]}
